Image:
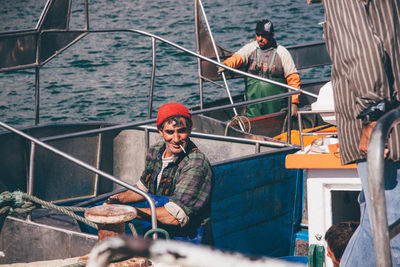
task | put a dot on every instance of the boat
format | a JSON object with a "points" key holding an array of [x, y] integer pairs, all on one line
{"points": [[79, 163]]}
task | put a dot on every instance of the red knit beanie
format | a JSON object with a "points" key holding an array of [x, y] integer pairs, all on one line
{"points": [[171, 109]]}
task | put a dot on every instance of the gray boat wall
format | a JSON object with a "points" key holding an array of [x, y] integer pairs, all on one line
{"points": [[130, 151], [121, 154]]}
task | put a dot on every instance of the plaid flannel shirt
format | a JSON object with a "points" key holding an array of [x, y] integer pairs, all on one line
{"points": [[187, 179]]}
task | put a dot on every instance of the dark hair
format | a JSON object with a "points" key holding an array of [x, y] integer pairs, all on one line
{"points": [[265, 26], [177, 120], [338, 236]]}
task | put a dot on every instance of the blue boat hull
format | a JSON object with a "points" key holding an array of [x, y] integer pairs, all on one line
{"points": [[256, 206]]}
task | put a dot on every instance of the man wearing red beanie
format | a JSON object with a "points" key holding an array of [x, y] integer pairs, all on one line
{"points": [[175, 168]]}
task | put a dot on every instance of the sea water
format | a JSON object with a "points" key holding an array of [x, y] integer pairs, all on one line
{"points": [[106, 77]]}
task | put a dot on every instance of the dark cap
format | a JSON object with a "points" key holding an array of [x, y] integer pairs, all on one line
{"points": [[265, 26]]}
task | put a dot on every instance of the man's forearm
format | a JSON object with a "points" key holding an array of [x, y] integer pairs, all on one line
{"points": [[365, 136], [235, 61], [163, 215], [294, 80], [125, 197]]}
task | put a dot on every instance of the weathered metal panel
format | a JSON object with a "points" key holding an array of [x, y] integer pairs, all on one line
{"points": [[256, 204], [310, 55], [52, 43], [13, 164], [27, 241], [130, 151], [17, 49], [53, 174], [56, 15], [55, 178]]}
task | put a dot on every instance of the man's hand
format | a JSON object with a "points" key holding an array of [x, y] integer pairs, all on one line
{"points": [[295, 109], [365, 136], [124, 197], [220, 69], [113, 200]]}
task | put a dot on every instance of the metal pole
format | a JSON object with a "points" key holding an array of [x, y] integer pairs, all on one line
{"points": [[90, 168], [289, 121], [86, 15], [97, 162], [37, 95], [197, 37], [151, 90], [218, 59], [153, 74], [376, 186], [300, 131], [31, 174]]}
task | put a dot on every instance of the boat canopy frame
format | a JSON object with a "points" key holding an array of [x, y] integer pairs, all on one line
{"points": [[52, 35]]}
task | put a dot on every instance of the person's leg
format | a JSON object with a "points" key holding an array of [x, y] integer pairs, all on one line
{"points": [[360, 245], [392, 193], [360, 250]]}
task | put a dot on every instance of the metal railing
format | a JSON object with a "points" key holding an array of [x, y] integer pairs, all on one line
{"points": [[302, 134], [382, 232], [150, 121], [84, 165]]}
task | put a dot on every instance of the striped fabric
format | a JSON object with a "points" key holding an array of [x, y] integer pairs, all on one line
{"points": [[363, 40]]}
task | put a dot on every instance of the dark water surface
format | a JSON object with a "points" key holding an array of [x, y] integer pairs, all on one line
{"points": [[106, 77]]}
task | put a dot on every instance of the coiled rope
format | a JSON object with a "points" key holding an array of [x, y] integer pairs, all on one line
{"points": [[20, 202], [241, 120]]}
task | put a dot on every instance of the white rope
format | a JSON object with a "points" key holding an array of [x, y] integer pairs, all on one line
{"points": [[241, 121]]}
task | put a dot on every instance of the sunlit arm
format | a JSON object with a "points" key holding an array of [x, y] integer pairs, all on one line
{"points": [[163, 215], [294, 80], [125, 197]]}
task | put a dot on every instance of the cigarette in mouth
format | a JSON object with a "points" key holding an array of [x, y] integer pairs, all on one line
{"points": [[184, 151]]}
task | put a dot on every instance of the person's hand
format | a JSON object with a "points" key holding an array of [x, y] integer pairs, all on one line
{"points": [[366, 131], [112, 200], [365, 136], [220, 69], [295, 109]]}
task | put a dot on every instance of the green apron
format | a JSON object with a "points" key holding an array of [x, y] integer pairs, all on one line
{"points": [[256, 89]]}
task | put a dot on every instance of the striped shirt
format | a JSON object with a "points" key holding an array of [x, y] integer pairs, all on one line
{"points": [[363, 41]]}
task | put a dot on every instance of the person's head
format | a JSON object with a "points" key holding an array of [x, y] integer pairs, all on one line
{"points": [[264, 32], [174, 124], [337, 237]]}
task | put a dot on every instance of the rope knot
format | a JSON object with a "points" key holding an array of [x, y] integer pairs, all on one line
{"points": [[18, 198], [14, 202]]}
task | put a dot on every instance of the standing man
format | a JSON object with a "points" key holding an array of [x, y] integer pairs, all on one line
{"points": [[177, 169], [363, 40], [265, 58]]}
